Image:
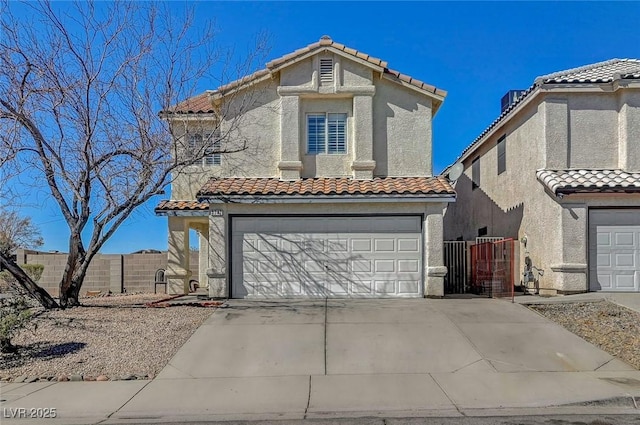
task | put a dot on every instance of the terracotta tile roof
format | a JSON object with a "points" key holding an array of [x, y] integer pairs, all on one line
{"points": [[600, 72], [325, 42], [168, 205], [200, 104], [326, 186], [589, 181]]}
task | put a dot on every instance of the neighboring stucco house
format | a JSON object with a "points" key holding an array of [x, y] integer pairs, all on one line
{"points": [[330, 192], [558, 169]]}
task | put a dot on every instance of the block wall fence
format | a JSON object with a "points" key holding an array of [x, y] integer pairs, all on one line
{"points": [[117, 273]]}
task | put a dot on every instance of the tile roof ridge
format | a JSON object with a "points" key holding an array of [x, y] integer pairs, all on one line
{"points": [[588, 67]]}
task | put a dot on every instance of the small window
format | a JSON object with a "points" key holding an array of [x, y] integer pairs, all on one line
{"points": [[326, 70], [327, 133], [212, 155], [475, 173], [482, 231], [502, 155]]}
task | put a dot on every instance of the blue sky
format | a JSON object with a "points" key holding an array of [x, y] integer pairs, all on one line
{"points": [[476, 51]]}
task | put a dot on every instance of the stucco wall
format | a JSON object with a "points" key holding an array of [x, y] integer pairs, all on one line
{"points": [[401, 131], [593, 130], [258, 128], [511, 204], [556, 130]]}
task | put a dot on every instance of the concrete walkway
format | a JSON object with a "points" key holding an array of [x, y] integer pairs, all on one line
{"points": [[348, 358]]}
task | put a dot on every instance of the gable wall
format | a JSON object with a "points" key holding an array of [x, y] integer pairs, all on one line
{"points": [[386, 123]]}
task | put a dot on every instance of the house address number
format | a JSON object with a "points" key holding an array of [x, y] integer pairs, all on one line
{"points": [[217, 213]]}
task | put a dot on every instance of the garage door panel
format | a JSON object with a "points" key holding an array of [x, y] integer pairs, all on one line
{"points": [[408, 245], [363, 256], [361, 245], [625, 280], [605, 281], [361, 287], [614, 250], [361, 266], [624, 260], [384, 266], [411, 266], [385, 245], [408, 286], [337, 245], [624, 239], [604, 239]]}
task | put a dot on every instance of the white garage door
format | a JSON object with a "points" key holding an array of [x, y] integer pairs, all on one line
{"points": [[326, 256], [614, 250]]}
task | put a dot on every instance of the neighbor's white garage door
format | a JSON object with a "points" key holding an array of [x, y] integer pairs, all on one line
{"points": [[326, 256], [614, 250]]}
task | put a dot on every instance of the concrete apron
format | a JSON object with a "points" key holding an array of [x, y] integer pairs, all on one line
{"points": [[345, 358]]}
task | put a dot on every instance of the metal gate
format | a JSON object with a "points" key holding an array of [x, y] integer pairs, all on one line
{"points": [[457, 263], [492, 268]]}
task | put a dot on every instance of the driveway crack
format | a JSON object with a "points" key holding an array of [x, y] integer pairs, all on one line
{"points": [[326, 301], [306, 409], [447, 395]]}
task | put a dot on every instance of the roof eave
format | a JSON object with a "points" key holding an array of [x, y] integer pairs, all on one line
{"points": [[180, 213]]}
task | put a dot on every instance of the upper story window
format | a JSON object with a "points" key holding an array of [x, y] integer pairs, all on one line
{"points": [[327, 133], [326, 70], [208, 145], [475, 173], [502, 154]]}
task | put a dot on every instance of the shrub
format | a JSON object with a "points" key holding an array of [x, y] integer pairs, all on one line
{"points": [[15, 311], [34, 271], [15, 314]]}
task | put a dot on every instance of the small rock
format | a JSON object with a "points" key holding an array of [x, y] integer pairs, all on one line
{"points": [[30, 379], [89, 378], [63, 378], [76, 378], [128, 378], [20, 379], [102, 378], [150, 376]]}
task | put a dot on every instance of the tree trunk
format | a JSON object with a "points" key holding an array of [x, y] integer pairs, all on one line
{"points": [[71, 296], [28, 284]]}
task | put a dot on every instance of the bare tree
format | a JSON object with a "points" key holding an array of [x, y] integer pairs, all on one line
{"points": [[81, 89]]}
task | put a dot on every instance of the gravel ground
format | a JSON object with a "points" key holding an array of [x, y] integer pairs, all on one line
{"points": [[110, 336], [613, 328]]}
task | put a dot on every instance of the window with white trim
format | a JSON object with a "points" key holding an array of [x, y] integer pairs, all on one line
{"points": [[326, 133], [211, 152]]}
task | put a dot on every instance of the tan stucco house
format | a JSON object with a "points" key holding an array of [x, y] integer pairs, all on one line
{"points": [[325, 186], [558, 171]]}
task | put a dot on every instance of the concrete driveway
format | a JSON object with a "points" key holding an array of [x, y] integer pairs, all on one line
{"points": [[290, 359], [347, 358]]}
